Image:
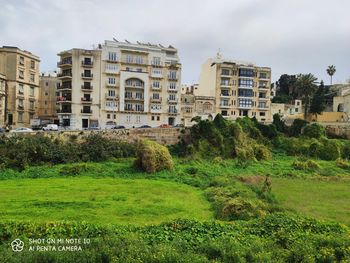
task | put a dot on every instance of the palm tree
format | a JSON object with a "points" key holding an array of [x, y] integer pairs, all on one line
{"points": [[330, 71], [306, 86]]}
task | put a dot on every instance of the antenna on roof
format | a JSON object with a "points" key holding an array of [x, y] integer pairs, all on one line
{"points": [[219, 54], [115, 40]]}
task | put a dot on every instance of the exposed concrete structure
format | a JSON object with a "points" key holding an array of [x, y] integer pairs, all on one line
{"points": [[21, 69], [48, 97]]}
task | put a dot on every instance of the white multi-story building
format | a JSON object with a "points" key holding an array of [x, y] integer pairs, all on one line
{"points": [[119, 83]]}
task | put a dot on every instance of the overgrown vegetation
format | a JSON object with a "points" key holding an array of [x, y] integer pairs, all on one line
{"points": [[19, 152], [153, 157]]}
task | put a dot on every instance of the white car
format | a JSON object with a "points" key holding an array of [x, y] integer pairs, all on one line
{"points": [[22, 129], [51, 127]]}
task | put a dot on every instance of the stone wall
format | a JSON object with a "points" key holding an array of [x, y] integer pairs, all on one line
{"points": [[337, 129]]}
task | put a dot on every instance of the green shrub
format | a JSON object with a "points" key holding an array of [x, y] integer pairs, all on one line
{"points": [[344, 164], [306, 165], [297, 126], [153, 157], [73, 169], [192, 170], [279, 124], [261, 152], [241, 208], [330, 150], [314, 130]]}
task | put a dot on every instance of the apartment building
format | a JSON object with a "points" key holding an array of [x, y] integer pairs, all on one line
{"points": [[240, 88], [48, 83], [119, 83], [21, 69], [3, 98]]}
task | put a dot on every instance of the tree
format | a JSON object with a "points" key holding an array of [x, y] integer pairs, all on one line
{"points": [[330, 71], [285, 85], [318, 101], [305, 87]]}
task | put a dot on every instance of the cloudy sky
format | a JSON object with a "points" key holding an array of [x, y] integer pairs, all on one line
{"points": [[290, 36]]}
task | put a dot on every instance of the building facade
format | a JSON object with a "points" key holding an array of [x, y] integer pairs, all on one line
{"points": [[48, 83], [119, 83], [3, 99], [240, 88], [21, 69]]}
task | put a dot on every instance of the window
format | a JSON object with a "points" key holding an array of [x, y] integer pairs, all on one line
{"points": [[262, 104], [139, 69], [138, 119], [128, 94], [245, 83], [225, 72], [108, 116], [31, 91], [225, 82], [224, 103], [128, 106], [21, 74], [32, 64], [156, 71], [244, 72], [245, 103], [20, 116], [21, 61], [112, 56], [20, 104], [172, 109], [139, 107], [172, 97], [172, 74], [20, 89], [32, 77], [156, 84], [111, 93], [156, 61], [111, 67], [156, 96], [263, 75], [129, 59], [114, 116], [111, 81], [152, 118], [31, 105], [139, 95], [45, 102], [158, 118], [172, 85], [139, 60], [261, 113], [245, 93]]}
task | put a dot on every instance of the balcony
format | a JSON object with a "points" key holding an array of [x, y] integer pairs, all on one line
{"points": [[20, 107], [264, 98], [171, 77], [225, 95], [64, 99], [172, 112], [64, 111], [87, 75], [263, 87], [64, 87], [65, 75], [156, 99], [86, 88], [111, 85], [156, 88], [171, 101], [225, 106], [134, 98], [245, 107], [64, 63], [86, 111], [143, 62], [225, 84], [170, 89], [86, 100], [87, 64], [134, 86], [111, 97]]}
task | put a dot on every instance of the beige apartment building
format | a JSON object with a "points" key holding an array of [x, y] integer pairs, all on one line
{"points": [[21, 69], [119, 83], [240, 88], [3, 101], [48, 97]]}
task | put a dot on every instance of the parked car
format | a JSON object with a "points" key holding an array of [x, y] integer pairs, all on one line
{"points": [[22, 130], [180, 125], [117, 127], [165, 126], [50, 127], [2, 130], [145, 126]]}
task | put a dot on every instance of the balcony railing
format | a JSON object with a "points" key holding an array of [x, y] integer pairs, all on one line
{"points": [[64, 99], [60, 86], [134, 98], [87, 63], [65, 75], [64, 110], [155, 99], [170, 89], [133, 85], [173, 100], [170, 77], [64, 63], [87, 75], [86, 111], [223, 105], [111, 97], [172, 111], [20, 107], [87, 88], [155, 87], [87, 100]]}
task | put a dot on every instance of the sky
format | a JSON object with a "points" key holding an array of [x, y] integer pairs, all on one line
{"points": [[290, 36]]}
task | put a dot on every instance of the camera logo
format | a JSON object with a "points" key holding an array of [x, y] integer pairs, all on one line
{"points": [[17, 245]]}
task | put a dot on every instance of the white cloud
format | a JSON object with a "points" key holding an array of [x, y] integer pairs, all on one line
{"points": [[290, 36]]}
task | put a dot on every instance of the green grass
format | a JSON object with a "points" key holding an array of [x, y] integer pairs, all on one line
{"points": [[319, 199], [104, 200]]}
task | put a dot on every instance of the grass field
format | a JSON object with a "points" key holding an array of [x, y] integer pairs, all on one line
{"points": [[315, 198], [105, 200]]}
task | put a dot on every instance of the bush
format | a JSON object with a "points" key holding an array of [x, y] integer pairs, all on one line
{"points": [[279, 124], [330, 150], [297, 126], [314, 130], [73, 169], [342, 163], [261, 152], [153, 157], [306, 165]]}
